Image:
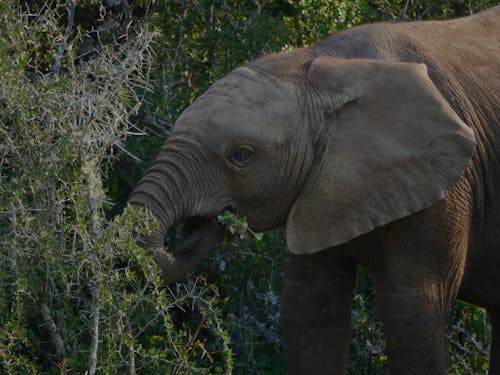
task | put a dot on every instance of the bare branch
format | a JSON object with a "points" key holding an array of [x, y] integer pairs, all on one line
{"points": [[405, 8], [403, 17], [62, 46], [55, 335], [132, 369], [94, 329], [125, 152]]}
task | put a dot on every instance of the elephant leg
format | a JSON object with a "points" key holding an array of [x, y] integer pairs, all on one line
{"points": [[316, 303], [414, 332], [495, 344], [418, 273], [417, 281]]}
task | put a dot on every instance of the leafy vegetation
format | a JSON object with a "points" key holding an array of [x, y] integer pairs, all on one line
{"points": [[77, 293], [89, 91]]}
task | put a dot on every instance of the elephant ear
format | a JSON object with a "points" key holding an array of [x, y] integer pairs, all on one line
{"points": [[389, 145]]}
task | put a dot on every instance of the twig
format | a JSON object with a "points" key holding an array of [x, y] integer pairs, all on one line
{"points": [[227, 12], [403, 17], [52, 328], [132, 369], [62, 46], [124, 151], [180, 40], [189, 345], [405, 8], [94, 329]]}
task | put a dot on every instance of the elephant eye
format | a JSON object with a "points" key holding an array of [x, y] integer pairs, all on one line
{"points": [[240, 155]]}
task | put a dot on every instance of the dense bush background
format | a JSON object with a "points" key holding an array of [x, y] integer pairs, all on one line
{"points": [[89, 90]]}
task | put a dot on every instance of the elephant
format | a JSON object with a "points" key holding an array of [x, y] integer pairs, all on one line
{"points": [[379, 147]]}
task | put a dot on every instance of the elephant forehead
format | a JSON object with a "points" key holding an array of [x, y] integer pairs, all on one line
{"points": [[220, 110], [253, 86], [225, 118], [228, 115], [236, 106]]}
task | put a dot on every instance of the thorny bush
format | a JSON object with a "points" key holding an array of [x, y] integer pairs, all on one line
{"points": [[76, 292]]}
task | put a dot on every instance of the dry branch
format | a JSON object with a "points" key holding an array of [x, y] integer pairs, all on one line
{"points": [[94, 329], [67, 32], [55, 335]]}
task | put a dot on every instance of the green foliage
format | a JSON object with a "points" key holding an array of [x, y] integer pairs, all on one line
{"points": [[427, 10], [238, 226], [366, 346], [469, 336], [249, 274], [77, 292], [311, 20]]}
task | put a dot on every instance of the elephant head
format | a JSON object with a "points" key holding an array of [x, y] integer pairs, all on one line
{"points": [[332, 148]]}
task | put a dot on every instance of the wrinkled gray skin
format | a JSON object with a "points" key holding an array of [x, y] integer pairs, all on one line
{"points": [[378, 146]]}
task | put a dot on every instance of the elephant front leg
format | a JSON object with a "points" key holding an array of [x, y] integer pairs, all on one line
{"points": [[418, 272], [414, 332], [414, 301], [316, 303]]}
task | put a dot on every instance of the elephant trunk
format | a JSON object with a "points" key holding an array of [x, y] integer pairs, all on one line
{"points": [[190, 252], [161, 192]]}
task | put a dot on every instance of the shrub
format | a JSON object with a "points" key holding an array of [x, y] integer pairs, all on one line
{"points": [[76, 292]]}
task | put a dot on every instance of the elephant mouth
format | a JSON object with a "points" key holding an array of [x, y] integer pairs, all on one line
{"points": [[194, 224], [197, 233]]}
